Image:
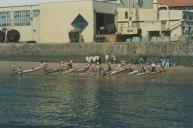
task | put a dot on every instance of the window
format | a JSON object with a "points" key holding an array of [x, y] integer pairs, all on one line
{"points": [[36, 13], [185, 16], [5, 19], [22, 18], [79, 23], [126, 15], [191, 17]]}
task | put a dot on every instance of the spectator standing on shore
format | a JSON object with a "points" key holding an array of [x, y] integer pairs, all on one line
{"points": [[113, 58], [167, 62], [107, 58], [163, 62], [141, 60]]}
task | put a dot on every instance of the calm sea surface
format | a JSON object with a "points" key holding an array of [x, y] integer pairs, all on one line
{"points": [[96, 102]]}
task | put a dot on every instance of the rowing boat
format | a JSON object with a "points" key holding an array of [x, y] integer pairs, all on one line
{"points": [[69, 71], [133, 72], [53, 71], [26, 71], [123, 71], [148, 73], [30, 70], [142, 73], [155, 73], [84, 74], [87, 74]]}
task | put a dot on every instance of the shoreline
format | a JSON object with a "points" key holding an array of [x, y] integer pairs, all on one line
{"points": [[5, 66], [175, 73]]}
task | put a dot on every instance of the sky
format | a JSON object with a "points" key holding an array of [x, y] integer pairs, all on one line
{"points": [[146, 3]]}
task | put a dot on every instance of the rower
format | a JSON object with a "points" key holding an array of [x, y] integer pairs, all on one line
{"points": [[122, 65], [44, 66], [13, 68], [153, 67], [62, 63], [19, 71], [109, 67], [130, 68], [159, 69], [70, 64]]}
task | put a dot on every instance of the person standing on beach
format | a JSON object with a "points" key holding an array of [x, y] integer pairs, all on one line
{"points": [[167, 62], [107, 58]]}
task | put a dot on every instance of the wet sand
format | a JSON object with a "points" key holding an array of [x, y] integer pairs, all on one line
{"points": [[176, 72]]}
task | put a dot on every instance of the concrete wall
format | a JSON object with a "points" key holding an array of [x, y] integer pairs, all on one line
{"points": [[124, 49]]}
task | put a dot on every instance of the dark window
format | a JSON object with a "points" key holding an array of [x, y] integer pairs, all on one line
{"points": [[79, 23], [126, 15]]}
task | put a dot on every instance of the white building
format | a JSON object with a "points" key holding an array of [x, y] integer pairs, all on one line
{"points": [[49, 21]]}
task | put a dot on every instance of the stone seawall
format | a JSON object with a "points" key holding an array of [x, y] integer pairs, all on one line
{"points": [[83, 49], [153, 48]]}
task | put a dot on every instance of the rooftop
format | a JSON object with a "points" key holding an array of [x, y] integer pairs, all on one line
{"points": [[176, 2]]}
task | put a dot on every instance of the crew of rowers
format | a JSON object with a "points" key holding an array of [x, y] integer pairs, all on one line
{"points": [[147, 68], [94, 65], [65, 64], [19, 70]]}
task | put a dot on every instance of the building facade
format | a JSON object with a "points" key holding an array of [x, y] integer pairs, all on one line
{"points": [[49, 21], [165, 21]]}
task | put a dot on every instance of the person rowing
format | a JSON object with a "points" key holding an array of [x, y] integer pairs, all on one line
{"points": [[13, 68], [121, 65], [109, 68], [153, 67], [20, 71], [44, 66], [130, 67], [68, 64]]}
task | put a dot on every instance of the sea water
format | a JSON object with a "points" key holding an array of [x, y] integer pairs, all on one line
{"points": [[96, 102]]}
